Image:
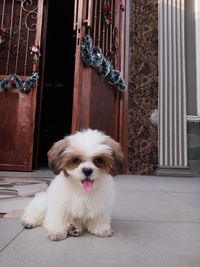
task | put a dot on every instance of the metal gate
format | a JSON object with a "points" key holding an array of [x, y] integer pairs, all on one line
{"points": [[20, 36]]}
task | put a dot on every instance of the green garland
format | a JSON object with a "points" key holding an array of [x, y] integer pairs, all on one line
{"points": [[15, 81], [92, 56]]}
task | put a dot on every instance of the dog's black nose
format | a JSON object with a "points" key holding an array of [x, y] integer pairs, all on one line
{"points": [[87, 171]]}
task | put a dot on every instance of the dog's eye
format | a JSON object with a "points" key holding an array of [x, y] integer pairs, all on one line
{"points": [[98, 161], [76, 161]]}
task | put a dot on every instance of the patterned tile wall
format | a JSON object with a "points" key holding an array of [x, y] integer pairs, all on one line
{"points": [[143, 87]]}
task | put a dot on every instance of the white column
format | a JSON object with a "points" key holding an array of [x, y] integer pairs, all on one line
{"points": [[172, 89], [197, 19]]}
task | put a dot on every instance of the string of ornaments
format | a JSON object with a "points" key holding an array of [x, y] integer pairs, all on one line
{"points": [[106, 12], [14, 80], [92, 56]]}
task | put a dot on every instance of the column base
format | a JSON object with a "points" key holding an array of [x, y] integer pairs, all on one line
{"points": [[174, 171]]}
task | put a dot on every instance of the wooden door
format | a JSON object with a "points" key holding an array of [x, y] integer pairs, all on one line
{"points": [[96, 103], [21, 24]]}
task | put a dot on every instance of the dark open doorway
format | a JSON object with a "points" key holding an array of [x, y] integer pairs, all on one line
{"points": [[57, 96]]}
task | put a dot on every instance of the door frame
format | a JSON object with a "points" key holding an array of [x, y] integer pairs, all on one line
{"points": [[40, 86]]}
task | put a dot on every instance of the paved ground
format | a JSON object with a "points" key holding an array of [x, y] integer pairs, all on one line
{"points": [[156, 222]]}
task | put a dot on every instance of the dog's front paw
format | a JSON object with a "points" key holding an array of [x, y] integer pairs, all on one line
{"points": [[74, 230], [57, 236], [28, 224], [103, 232]]}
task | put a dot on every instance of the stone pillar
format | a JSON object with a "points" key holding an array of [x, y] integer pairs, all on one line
{"points": [[173, 158], [143, 87]]}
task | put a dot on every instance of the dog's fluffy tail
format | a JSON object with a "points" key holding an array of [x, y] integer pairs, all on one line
{"points": [[35, 212]]}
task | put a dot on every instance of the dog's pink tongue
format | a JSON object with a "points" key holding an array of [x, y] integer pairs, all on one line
{"points": [[87, 185]]}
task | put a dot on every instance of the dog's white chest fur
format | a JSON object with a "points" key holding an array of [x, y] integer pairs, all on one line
{"points": [[81, 204], [81, 208]]}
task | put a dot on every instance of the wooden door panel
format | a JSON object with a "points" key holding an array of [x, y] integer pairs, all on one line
{"points": [[16, 130], [8, 115], [103, 107]]}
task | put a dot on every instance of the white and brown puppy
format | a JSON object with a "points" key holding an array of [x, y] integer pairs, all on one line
{"points": [[81, 195]]}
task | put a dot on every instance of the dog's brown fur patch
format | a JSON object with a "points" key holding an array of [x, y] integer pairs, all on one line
{"points": [[56, 155], [117, 154], [73, 159], [103, 161]]}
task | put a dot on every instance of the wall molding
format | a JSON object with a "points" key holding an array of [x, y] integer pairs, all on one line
{"points": [[193, 118]]}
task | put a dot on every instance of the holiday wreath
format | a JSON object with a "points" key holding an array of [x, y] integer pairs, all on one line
{"points": [[92, 56]]}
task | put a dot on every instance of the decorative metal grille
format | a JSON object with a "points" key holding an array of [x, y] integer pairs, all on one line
{"points": [[101, 21], [104, 31], [19, 20]]}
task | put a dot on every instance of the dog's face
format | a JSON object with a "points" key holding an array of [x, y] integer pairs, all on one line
{"points": [[85, 156]]}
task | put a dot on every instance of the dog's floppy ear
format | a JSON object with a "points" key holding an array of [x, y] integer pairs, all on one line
{"points": [[56, 154], [117, 154]]}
